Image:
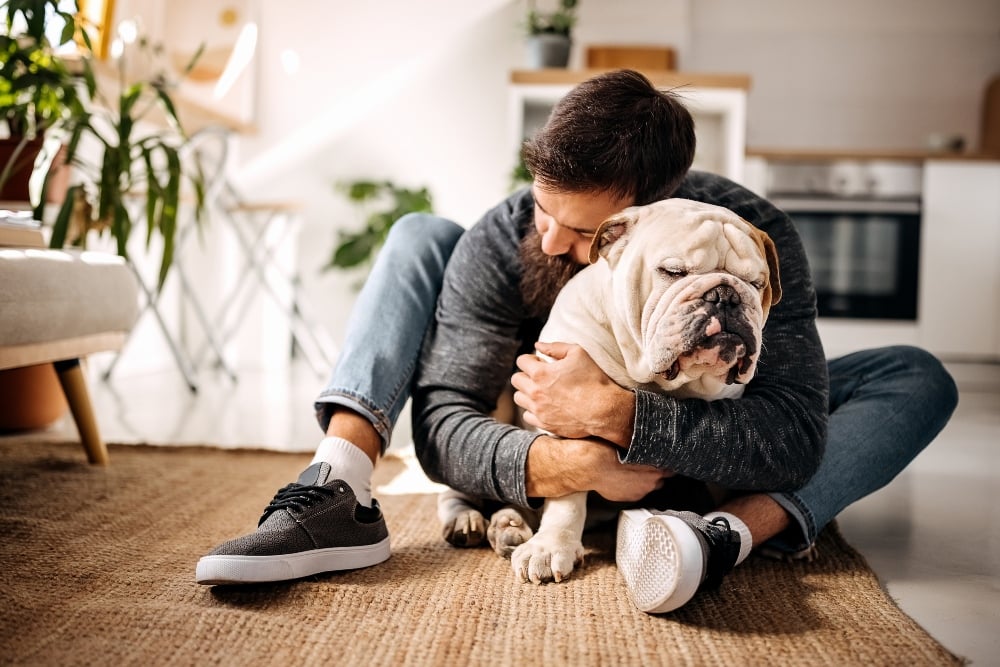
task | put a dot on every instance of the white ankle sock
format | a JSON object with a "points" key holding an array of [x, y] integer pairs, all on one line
{"points": [[350, 464], [746, 539]]}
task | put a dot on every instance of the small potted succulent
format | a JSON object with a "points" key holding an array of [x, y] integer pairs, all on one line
{"points": [[550, 34]]}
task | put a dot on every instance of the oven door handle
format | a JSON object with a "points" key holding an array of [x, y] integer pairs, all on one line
{"points": [[835, 205]]}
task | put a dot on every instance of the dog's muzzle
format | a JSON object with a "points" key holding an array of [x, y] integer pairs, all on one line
{"points": [[719, 326]]}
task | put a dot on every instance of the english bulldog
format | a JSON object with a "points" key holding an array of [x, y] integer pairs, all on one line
{"points": [[674, 300]]}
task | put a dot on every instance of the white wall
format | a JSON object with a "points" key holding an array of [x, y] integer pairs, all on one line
{"points": [[852, 73], [419, 99]]}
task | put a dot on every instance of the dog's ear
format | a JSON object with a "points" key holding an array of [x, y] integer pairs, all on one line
{"points": [[772, 292], [608, 241]]}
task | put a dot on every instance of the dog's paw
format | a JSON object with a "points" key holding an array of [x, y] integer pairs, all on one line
{"points": [[508, 530], [465, 529], [548, 556]]}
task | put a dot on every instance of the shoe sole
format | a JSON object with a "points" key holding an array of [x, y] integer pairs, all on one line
{"points": [[661, 559], [227, 569]]}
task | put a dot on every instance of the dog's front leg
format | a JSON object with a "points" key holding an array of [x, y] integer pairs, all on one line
{"points": [[462, 522], [557, 547]]}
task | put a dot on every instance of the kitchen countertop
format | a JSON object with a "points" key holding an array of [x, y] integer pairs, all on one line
{"points": [[826, 154]]}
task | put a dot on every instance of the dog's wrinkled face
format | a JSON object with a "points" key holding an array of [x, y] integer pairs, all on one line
{"points": [[706, 280]]}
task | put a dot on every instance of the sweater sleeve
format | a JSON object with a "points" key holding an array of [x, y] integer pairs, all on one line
{"points": [[467, 360], [773, 437]]}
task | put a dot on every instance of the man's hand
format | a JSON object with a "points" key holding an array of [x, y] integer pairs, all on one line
{"points": [[557, 467], [571, 396]]}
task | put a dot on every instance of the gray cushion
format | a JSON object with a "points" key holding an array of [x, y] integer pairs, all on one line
{"points": [[48, 295]]}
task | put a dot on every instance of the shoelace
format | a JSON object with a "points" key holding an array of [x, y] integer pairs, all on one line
{"points": [[723, 550], [297, 497], [722, 522]]}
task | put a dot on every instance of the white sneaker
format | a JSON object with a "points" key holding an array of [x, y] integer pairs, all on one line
{"points": [[666, 557]]}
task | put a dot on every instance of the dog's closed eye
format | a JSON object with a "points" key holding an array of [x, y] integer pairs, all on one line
{"points": [[671, 272]]}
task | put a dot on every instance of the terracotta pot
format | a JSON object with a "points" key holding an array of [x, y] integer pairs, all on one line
{"points": [[16, 186], [30, 398]]}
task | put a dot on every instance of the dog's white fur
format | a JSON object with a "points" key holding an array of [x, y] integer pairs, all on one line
{"points": [[647, 311]]}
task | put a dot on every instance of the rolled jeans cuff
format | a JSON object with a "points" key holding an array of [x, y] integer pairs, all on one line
{"points": [[326, 401], [803, 531]]}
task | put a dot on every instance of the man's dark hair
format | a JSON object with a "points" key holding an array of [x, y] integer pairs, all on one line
{"points": [[614, 133]]}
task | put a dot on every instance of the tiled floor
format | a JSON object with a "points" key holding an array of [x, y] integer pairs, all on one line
{"points": [[932, 535]]}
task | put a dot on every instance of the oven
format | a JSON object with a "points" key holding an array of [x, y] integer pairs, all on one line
{"points": [[860, 226]]}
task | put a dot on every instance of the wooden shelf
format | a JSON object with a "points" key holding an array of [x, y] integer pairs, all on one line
{"points": [[660, 78], [827, 154]]}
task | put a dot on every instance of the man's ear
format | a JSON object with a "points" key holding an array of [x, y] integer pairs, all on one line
{"points": [[609, 239]]}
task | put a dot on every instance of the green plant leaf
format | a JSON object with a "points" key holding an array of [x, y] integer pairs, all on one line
{"points": [[170, 110], [61, 225], [154, 197], [126, 104], [411, 200], [168, 213], [380, 222], [360, 191], [194, 59], [89, 79], [121, 226], [354, 250], [110, 177], [69, 29]]}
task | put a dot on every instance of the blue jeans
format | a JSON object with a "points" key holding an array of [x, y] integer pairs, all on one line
{"points": [[886, 405], [382, 344]]}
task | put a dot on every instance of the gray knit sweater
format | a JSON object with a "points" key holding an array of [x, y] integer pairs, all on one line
{"points": [[771, 439]]}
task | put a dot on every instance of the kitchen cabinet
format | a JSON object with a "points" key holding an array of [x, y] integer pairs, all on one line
{"points": [[960, 259], [716, 101]]}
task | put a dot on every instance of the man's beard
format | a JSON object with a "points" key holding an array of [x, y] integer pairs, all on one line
{"points": [[542, 276]]}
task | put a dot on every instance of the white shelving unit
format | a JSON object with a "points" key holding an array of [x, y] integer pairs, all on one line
{"points": [[717, 102]]}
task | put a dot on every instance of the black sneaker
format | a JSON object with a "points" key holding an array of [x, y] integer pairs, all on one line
{"points": [[667, 557], [313, 525]]}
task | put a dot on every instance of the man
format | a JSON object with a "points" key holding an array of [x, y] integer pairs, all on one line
{"points": [[614, 141]]}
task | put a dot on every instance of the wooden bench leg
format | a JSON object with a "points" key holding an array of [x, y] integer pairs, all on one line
{"points": [[74, 386]]}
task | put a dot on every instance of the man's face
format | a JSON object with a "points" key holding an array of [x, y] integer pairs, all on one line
{"points": [[566, 221]]}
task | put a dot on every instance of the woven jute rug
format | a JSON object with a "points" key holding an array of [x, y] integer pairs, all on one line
{"points": [[97, 567]]}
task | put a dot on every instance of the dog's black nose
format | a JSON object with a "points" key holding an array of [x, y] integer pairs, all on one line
{"points": [[724, 295]]}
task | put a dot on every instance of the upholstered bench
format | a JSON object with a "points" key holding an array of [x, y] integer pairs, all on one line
{"points": [[57, 306]]}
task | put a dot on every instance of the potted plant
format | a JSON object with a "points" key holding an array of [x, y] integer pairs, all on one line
{"points": [[386, 203], [37, 87], [132, 170], [122, 168], [549, 34]]}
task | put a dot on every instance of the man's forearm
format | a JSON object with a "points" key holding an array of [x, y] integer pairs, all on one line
{"points": [[556, 468], [618, 422]]}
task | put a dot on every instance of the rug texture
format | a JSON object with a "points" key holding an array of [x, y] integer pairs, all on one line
{"points": [[97, 567]]}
